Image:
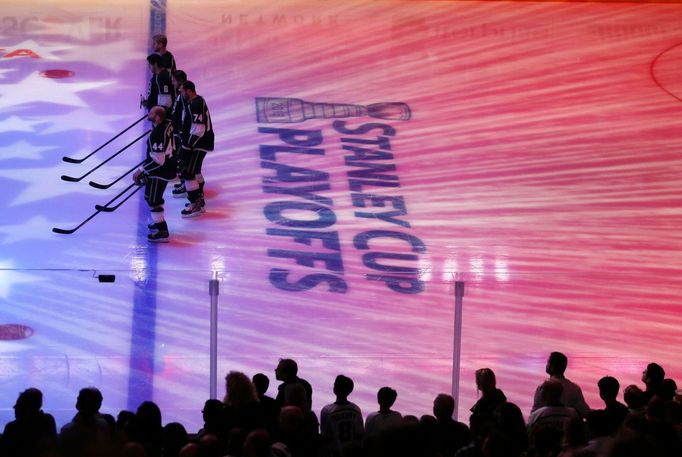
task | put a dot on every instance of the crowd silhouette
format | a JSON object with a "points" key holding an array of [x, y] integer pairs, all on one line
{"points": [[248, 423]]}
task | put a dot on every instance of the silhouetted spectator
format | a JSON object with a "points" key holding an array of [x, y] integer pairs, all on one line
{"points": [[545, 442], [209, 446], [341, 422], [268, 404], [554, 414], [242, 409], [491, 396], [384, 418], [257, 444], [174, 439], [601, 427], [145, 428], [212, 414], [652, 377], [608, 391], [575, 438], [287, 372], [235, 442], [293, 433], [295, 395], [667, 390], [509, 420], [452, 435], [572, 395], [88, 433], [634, 398], [33, 433]]}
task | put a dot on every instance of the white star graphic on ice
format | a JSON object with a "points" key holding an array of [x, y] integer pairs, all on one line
{"points": [[35, 88], [8, 70], [32, 229], [45, 183], [10, 277], [23, 150], [17, 124], [44, 52], [103, 55], [82, 120]]}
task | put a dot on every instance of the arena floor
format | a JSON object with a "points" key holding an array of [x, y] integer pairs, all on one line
{"points": [[531, 150]]}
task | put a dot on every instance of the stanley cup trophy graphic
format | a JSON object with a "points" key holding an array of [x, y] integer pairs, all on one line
{"points": [[287, 110]]}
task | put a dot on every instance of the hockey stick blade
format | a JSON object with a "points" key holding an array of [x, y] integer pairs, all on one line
{"points": [[63, 231], [69, 178], [110, 209], [70, 160], [97, 185]]}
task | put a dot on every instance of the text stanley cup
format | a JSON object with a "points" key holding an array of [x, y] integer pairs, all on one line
{"points": [[286, 110]]}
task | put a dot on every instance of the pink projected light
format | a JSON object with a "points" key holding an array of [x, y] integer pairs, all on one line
{"points": [[367, 155]]}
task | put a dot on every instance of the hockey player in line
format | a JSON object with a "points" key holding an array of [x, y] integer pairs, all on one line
{"points": [[160, 91], [158, 168], [178, 120], [197, 140], [159, 43]]}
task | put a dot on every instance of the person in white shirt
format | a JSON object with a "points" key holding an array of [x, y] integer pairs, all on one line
{"points": [[571, 396], [341, 421], [385, 417]]}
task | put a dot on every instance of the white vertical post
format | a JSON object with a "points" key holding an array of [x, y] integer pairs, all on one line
{"points": [[457, 344], [213, 288]]}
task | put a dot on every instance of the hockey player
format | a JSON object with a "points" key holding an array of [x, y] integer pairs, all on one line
{"points": [[161, 91], [159, 43], [197, 139], [178, 120], [157, 170]]}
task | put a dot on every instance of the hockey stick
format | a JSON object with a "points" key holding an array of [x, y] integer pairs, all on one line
{"points": [[106, 186], [72, 160], [72, 179], [110, 209], [70, 231]]}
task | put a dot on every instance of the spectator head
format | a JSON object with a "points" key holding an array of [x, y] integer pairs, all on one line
{"points": [[443, 407], [608, 388], [261, 382], [123, 419], [189, 450], [634, 397], [89, 400], [148, 417], [296, 395], [235, 441], [386, 397], [133, 450], [667, 389], [174, 438], [485, 380], [257, 444], [653, 375], [28, 403], [212, 411], [343, 386], [159, 42], [209, 446], [556, 364], [286, 370], [291, 420], [240, 389], [551, 392]]}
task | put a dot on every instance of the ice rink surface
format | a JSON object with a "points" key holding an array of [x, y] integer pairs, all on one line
{"points": [[531, 150]]}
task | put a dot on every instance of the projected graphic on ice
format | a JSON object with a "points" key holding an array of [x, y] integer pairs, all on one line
{"points": [[367, 155]]}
